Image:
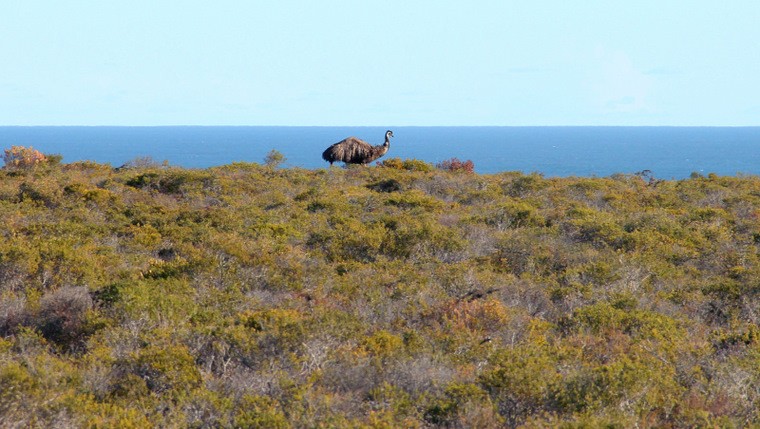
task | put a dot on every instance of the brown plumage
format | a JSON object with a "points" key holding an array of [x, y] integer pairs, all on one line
{"points": [[356, 151]]}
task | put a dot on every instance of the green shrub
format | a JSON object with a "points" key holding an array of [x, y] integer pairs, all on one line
{"points": [[519, 381], [406, 164], [601, 232], [414, 199], [460, 402], [274, 158], [389, 185], [513, 214], [602, 317], [177, 182], [382, 344], [522, 186], [167, 369], [260, 412]]}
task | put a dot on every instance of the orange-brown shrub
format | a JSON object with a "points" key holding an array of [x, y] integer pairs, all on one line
{"points": [[21, 157]]}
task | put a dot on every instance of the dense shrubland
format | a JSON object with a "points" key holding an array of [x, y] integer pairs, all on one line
{"points": [[398, 295]]}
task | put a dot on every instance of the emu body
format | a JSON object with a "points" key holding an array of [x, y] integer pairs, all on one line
{"points": [[356, 151]]}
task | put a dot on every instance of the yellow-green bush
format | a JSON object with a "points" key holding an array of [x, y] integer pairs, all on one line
{"points": [[167, 369], [406, 164]]}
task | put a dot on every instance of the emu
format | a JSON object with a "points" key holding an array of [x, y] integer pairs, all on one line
{"points": [[356, 151]]}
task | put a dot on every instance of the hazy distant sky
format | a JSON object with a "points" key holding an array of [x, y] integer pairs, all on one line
{"points": [[326, 62]]}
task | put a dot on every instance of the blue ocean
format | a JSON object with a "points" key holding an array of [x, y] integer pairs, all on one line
{"points": [[669, 152]]}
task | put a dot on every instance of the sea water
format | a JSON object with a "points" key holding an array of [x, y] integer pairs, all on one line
{"points": [[669, 152]]}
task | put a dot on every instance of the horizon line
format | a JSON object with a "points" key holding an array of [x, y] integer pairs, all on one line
{"points": [[372, 126]]}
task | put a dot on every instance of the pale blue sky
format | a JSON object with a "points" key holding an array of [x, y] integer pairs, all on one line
{"points": [[384, 63]]}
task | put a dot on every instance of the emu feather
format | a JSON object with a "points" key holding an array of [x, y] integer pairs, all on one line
{"points": [[356, 151]]}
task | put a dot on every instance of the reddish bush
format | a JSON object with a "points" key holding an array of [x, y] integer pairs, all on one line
{"points": [[454, 164]]}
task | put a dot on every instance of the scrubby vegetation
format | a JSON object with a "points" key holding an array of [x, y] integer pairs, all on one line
{"points": [[250, 296]]}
